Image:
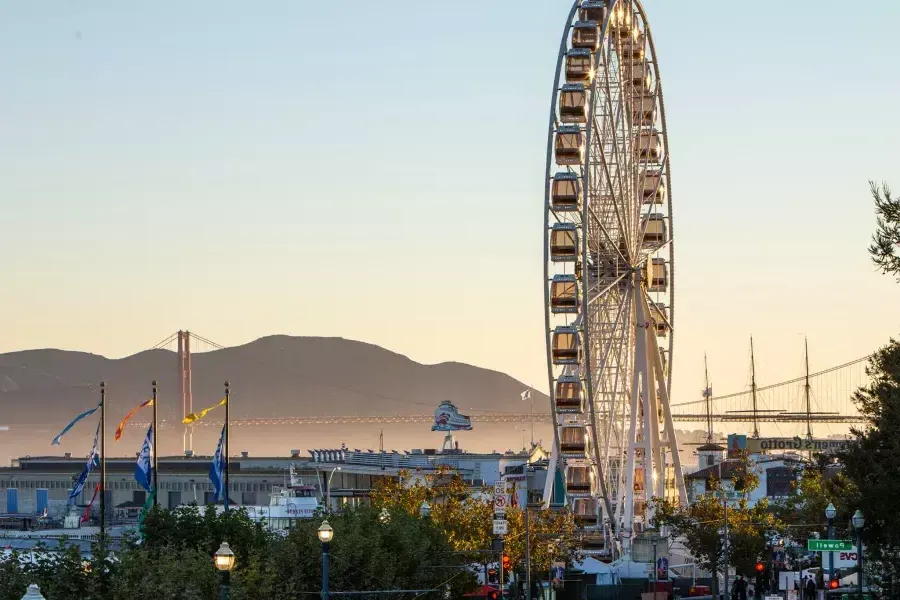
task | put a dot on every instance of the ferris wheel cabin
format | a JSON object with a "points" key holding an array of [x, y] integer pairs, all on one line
{"points": [[643, 111], [592, 11], [567, 394], [566, 346], [564, 242], [569, 145], [654, 185], [586, 34], [658, 275], [578, 479], [621, 19], [579, 66], [585, 511], [572, 440], [564, 296], [649, 146], [573, 103], [654, 230], [565, 192], [659, 313]]}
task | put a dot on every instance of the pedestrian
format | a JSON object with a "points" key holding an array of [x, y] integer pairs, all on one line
{"points": [[740, 587], [810, 588]]}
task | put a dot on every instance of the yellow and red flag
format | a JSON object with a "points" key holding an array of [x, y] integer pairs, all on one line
{"points": [[197, 416], [121, 426]]}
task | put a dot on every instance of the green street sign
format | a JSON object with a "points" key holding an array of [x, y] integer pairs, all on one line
{"points": [[828, 545]]}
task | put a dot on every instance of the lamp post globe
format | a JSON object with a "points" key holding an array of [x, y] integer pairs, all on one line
{"points": [[830, 511], [224, 557], [858, 519], [384, 516], [425, 510], [325, 532]]}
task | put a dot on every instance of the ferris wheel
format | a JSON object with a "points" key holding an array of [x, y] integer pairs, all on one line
{"points": [[609, 269]]}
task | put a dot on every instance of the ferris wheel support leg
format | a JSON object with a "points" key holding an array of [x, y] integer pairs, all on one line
{"points": [[650, 436], [631, 446], [669, 423], [551, 473]]}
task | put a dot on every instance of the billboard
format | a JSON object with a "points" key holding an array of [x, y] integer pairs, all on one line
{"points": [[447, 418], [738, 443]]}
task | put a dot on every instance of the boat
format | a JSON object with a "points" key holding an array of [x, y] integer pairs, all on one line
{"points": [[447, 418], [287, 504]]}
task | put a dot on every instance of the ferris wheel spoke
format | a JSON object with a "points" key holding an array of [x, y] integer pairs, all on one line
{"points": [[607, 234], [614, 200]]}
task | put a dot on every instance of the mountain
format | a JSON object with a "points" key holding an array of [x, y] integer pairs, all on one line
{"points": [[273, 376]]}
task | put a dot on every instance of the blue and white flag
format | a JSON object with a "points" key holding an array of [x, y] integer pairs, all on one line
{"points": [[142, 468], [217, 470], [92, 463], [66, 429]]}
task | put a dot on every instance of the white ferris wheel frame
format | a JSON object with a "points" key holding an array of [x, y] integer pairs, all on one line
{"points": [[621, 364]]}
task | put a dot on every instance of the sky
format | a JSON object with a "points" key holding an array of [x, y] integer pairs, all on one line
{"points": [[375, 171]]}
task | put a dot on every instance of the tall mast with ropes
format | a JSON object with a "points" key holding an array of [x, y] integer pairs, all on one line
{"points": [[707, 394], [753, 389]]}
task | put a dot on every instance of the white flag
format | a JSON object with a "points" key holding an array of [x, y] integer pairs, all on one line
{"points": [[526, 395]]}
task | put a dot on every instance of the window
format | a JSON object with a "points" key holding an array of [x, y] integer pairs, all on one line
{"points": [[139, 496], [779, 482]]}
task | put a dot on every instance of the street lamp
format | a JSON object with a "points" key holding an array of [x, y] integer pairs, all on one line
{"points": [[326, 534], [328, 489], [858, 522], [654, 541], [723, 531], [830, 513], [425, 510], [384, 516], [224, 561]]}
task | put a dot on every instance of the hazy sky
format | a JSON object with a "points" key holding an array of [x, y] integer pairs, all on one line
{"points": [[374, 170]]}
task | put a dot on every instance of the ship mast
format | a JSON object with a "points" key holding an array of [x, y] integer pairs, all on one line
{"points": [[753, 389], [806, 391], [707, 394]]}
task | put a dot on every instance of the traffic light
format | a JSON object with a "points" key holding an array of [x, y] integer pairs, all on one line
{"points": [[833, 584], [493, 595], [507, 563], [760, 567]]}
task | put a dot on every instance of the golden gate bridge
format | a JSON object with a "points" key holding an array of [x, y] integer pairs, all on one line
{"points": [[822, 397]]}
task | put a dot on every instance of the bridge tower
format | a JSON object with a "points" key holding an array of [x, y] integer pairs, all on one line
{"points": [[184, 387]]}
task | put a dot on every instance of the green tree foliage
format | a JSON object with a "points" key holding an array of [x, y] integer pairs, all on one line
{"points": [[174, 560], [465, 519], [871, 460], [699, 524], [886, 239], [819, 485]]}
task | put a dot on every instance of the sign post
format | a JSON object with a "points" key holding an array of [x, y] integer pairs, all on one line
{"points": [[828, 545], [501, 526]]}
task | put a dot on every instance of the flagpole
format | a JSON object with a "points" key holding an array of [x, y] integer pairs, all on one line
{"points": [[155, 449], [227, 439], [102, 460]]}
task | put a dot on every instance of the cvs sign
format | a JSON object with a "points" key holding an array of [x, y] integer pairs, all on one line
{"points": [[842, 559]]}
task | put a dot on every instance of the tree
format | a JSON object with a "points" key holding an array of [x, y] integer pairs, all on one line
{"points": [[871, 459], [699, 523], [886, 239], [465, 518], [815, 490]]}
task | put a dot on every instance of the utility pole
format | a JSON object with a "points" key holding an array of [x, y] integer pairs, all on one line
{"points": [[753, 391], [227, 438], [155, 449], [527, 555], [725, 545], [103, 461], [707, 393], [806, 392]]}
